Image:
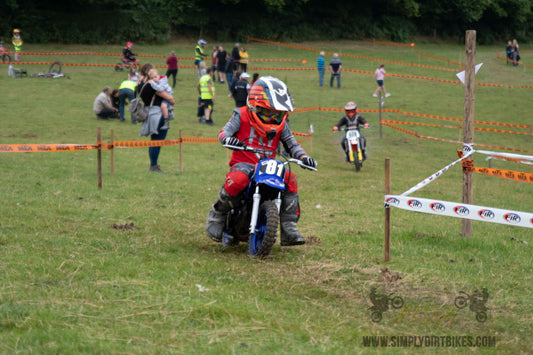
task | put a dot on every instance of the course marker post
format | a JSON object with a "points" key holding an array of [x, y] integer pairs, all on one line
{"points": [[387, 210], [112, 153], [181, 152], [380, 125], [99, 156]]}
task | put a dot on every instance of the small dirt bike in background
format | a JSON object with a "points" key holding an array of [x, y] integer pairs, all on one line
{"points": [[126, 63], [353, 146], [4, 53], [255, 220]]}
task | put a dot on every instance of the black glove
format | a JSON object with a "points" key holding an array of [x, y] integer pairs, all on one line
{"points": [[309, 161], [232, 141]]}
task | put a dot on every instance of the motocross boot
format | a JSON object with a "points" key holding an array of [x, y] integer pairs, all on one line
{"points": [[289, 215], [216, 218]]}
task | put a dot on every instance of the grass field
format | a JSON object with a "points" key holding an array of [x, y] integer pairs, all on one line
{"points": [[72, 282]]}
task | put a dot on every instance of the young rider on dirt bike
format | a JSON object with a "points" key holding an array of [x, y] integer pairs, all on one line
{"points": [[260, 124], [128, 54], [351, 120]]}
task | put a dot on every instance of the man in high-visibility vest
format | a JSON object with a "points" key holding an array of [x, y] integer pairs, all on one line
{"points": [[17, 42], [199, 54], [206, 90], [126, 91]]}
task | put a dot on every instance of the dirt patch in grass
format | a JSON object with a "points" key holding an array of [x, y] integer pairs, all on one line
{"points": [[126, 226]]}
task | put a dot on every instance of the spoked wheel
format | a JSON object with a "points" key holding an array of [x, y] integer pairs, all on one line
{"points": [[397, 302], [357, 162], [6, 58], [261, 241], [55, 68], [119, 67]]}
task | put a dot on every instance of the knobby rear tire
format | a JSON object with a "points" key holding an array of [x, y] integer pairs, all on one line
{"points": [[261, 241], [55, 68]]}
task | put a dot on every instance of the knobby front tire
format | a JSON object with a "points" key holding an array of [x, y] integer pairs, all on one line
{"points": [[261, 241]]}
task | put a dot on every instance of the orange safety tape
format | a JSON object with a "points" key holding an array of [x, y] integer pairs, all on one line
{"points": [[505, 174], [382, 42], [299, 134], [419, 124], [512, 61], [475, 128], [439, 58], [139, 55], [454, 141], [199, 140], [27, 148], [461, 120]]}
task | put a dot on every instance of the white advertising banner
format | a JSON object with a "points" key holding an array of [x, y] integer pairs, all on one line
{"points": [[461, 210]]}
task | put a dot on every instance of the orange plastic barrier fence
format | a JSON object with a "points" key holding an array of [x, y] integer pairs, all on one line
{"points": [[453, 141], [382, 42], [458, 127], [138, 55], [29, 148], [512, 61]]}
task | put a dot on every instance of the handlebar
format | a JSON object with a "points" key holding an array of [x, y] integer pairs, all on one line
{"points": [[262, 151]]}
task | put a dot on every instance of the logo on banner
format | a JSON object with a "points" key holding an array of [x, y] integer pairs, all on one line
{"points": [[512, 218], [393, 201], [462, 210], [438, 207], [486, 214], [415, 204]]}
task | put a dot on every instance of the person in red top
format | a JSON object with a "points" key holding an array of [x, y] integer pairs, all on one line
{"points": [[261, 124], [172, 70]]}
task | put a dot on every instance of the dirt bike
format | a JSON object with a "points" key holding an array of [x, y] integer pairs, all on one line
{"points": [[354, 147], [126, 63], [4, 53], [255, 220]]}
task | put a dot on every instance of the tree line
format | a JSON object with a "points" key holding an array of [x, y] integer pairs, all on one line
{"points": [[149, 21]]}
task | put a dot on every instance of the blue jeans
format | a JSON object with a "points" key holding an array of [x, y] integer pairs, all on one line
{"points": [[124, 94], [153, 152], [321, 78], [338, 80], [229, 79]]}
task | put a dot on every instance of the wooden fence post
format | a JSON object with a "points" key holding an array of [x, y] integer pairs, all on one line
{"points": [[387, 211], [99, 157]]}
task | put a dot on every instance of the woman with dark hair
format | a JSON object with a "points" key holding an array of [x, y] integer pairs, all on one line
{"points": [[152, 126]]}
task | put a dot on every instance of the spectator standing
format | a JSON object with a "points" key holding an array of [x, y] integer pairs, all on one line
{"points": [[214, 57], [335, 65], [244, 59], [321, 66], [206, 89], [516, 54], [509, 52], [152, 126], [102, 106], [172, 70], [126, 91], [379, 75], [240, 90], [229, 70], [235, 55], [17, 43], [221, 63], [199, 54], [133, 75]]}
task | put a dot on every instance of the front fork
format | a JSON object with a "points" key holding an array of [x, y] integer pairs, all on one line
{"points": [[255, 208]]}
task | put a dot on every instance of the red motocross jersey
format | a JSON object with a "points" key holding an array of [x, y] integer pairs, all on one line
{"points": [[247, 134]]}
